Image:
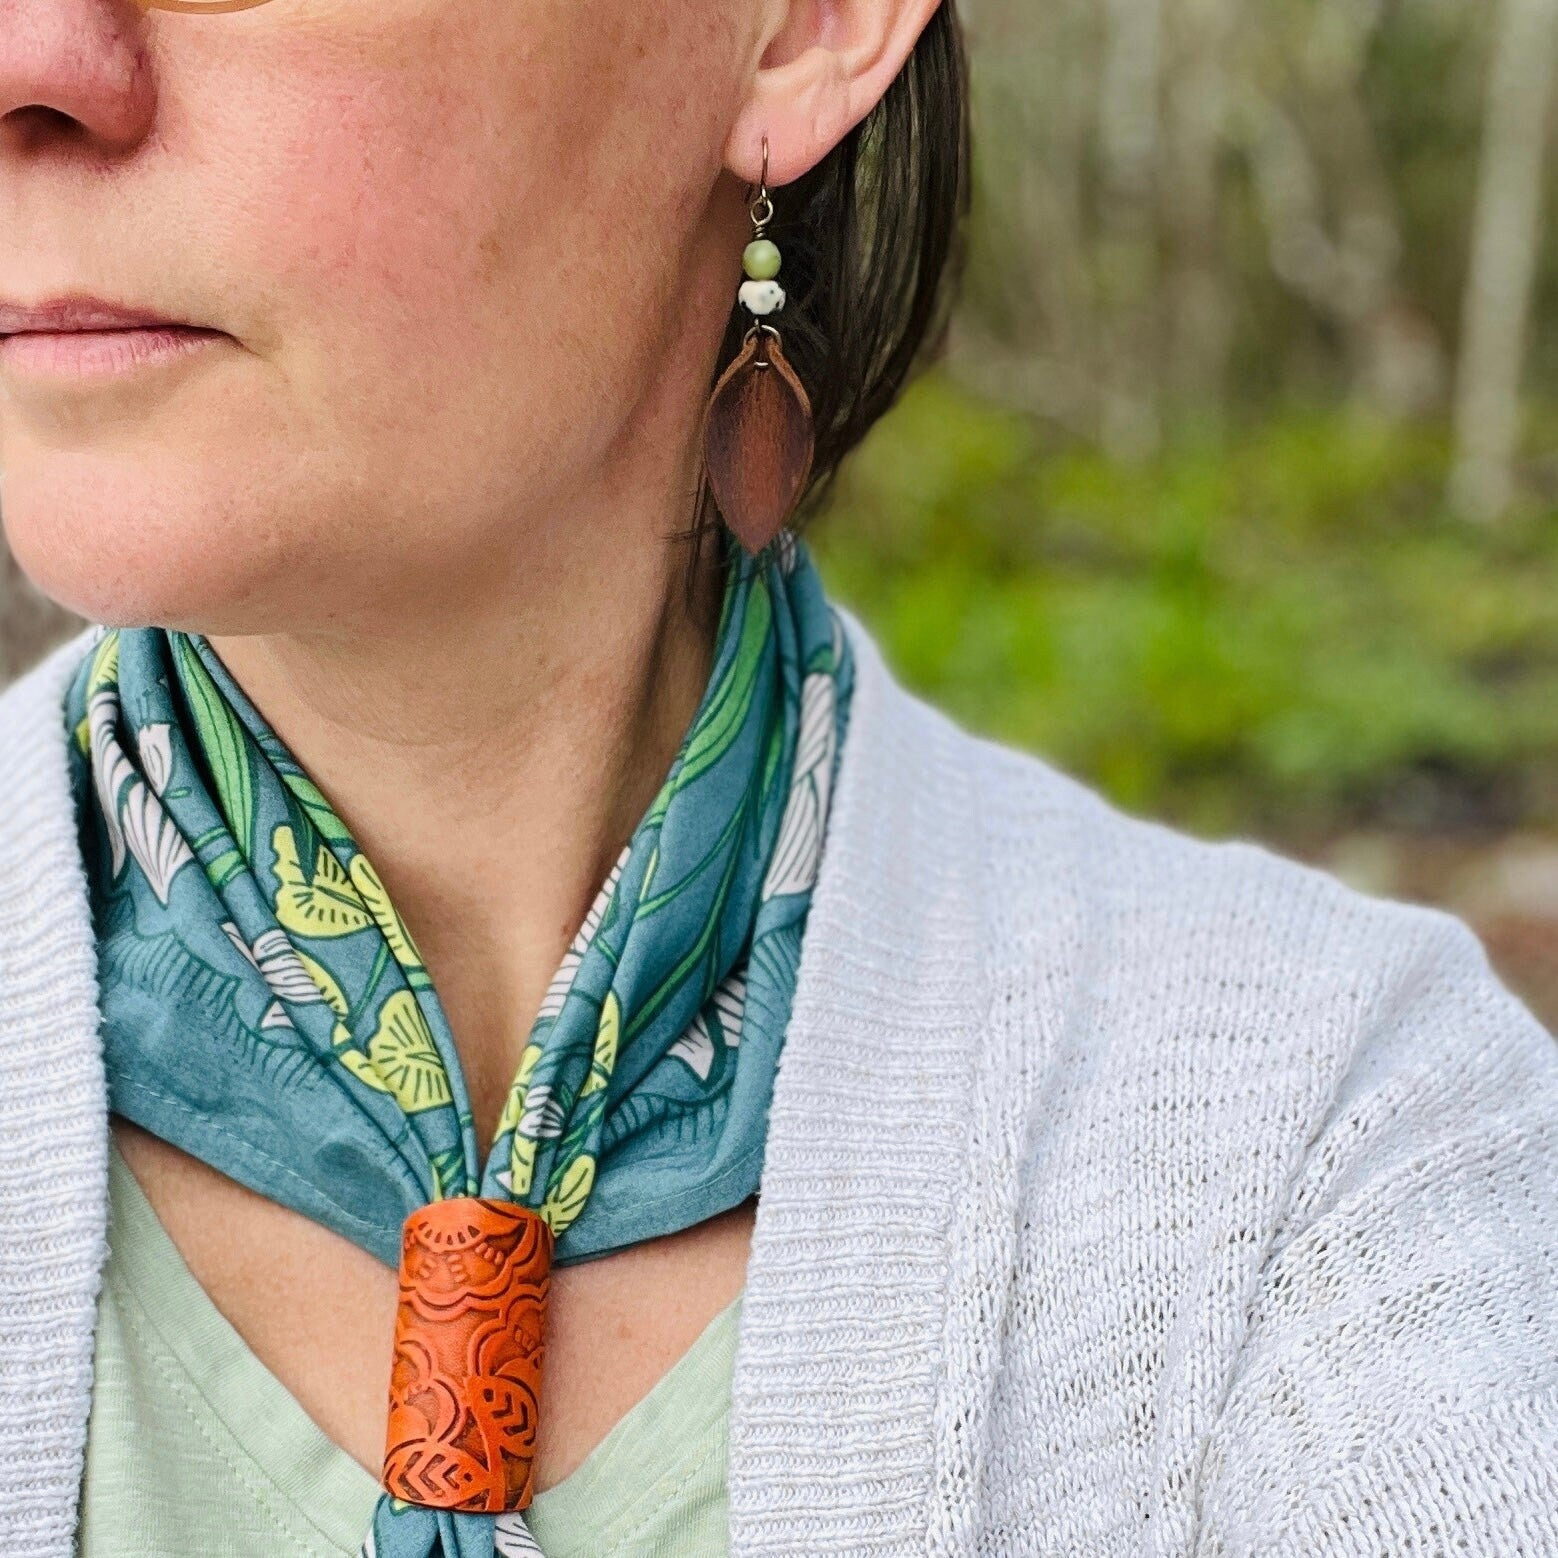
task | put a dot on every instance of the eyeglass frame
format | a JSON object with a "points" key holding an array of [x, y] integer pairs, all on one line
{"points": [[198, 5]]}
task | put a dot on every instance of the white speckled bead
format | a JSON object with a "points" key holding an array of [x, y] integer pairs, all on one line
{"points": [[761, 297]]}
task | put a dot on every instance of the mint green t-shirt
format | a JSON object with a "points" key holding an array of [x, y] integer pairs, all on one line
{"points": [[196, 1450]]}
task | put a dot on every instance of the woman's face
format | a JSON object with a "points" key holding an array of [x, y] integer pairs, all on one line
{"points": [[464, 252]]}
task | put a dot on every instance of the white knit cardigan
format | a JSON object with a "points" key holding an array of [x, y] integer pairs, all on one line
{"points": [[1124, 1193]]}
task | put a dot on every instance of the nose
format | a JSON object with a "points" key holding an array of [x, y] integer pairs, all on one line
{"points": [[73, 68]]}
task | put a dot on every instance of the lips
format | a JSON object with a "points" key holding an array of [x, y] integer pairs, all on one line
{"points": [[78, 311], [79, 342]]}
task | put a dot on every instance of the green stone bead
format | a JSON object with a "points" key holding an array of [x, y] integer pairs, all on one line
{"points": [[760, 259]]}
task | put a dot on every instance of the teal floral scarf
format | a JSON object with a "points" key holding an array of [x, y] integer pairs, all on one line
{"points": [[266, 1009]]}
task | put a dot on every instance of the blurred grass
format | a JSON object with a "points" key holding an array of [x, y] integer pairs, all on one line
{"points": [[1279, 630]]}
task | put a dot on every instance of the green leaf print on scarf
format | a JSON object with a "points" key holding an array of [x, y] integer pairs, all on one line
{"points": [[221, 740], [270, 1011]]}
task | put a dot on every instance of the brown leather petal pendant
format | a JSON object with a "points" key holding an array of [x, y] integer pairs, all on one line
{"points": [[757, 440]]}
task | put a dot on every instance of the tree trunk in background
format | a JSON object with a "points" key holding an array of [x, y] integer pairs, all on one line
{"points": [[1026, 334], [1505, 238], [1130, 123], [1320, 182], [1200, 329]]}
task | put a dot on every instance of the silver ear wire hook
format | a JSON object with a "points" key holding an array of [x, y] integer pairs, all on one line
{"points": [[762, 204]]}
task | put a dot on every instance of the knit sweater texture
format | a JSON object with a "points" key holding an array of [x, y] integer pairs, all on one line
{"points": [[1124, 1193]]}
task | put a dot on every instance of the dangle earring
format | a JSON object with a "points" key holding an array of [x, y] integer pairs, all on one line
{"points": [[757, 434]]}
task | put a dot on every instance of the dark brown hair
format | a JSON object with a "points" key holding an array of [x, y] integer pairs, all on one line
{"points": [[873, 244]]}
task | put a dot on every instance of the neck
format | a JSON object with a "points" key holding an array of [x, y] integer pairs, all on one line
{"points": [[493, 753]]}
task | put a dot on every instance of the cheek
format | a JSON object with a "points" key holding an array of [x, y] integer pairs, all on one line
{"points": [[484, 240], [428, 255], [364, 224]]}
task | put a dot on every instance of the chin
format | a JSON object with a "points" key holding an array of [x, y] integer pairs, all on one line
{"points": [[126, 542]]}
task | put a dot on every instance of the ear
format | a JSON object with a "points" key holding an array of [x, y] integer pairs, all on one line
{"points": [[825, 65]]}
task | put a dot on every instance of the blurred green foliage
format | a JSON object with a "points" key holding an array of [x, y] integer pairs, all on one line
{"points": [[1278, 629]]}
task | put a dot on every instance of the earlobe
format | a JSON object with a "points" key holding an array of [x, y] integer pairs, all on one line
{"points": [[809, 100], [802, 107]]}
